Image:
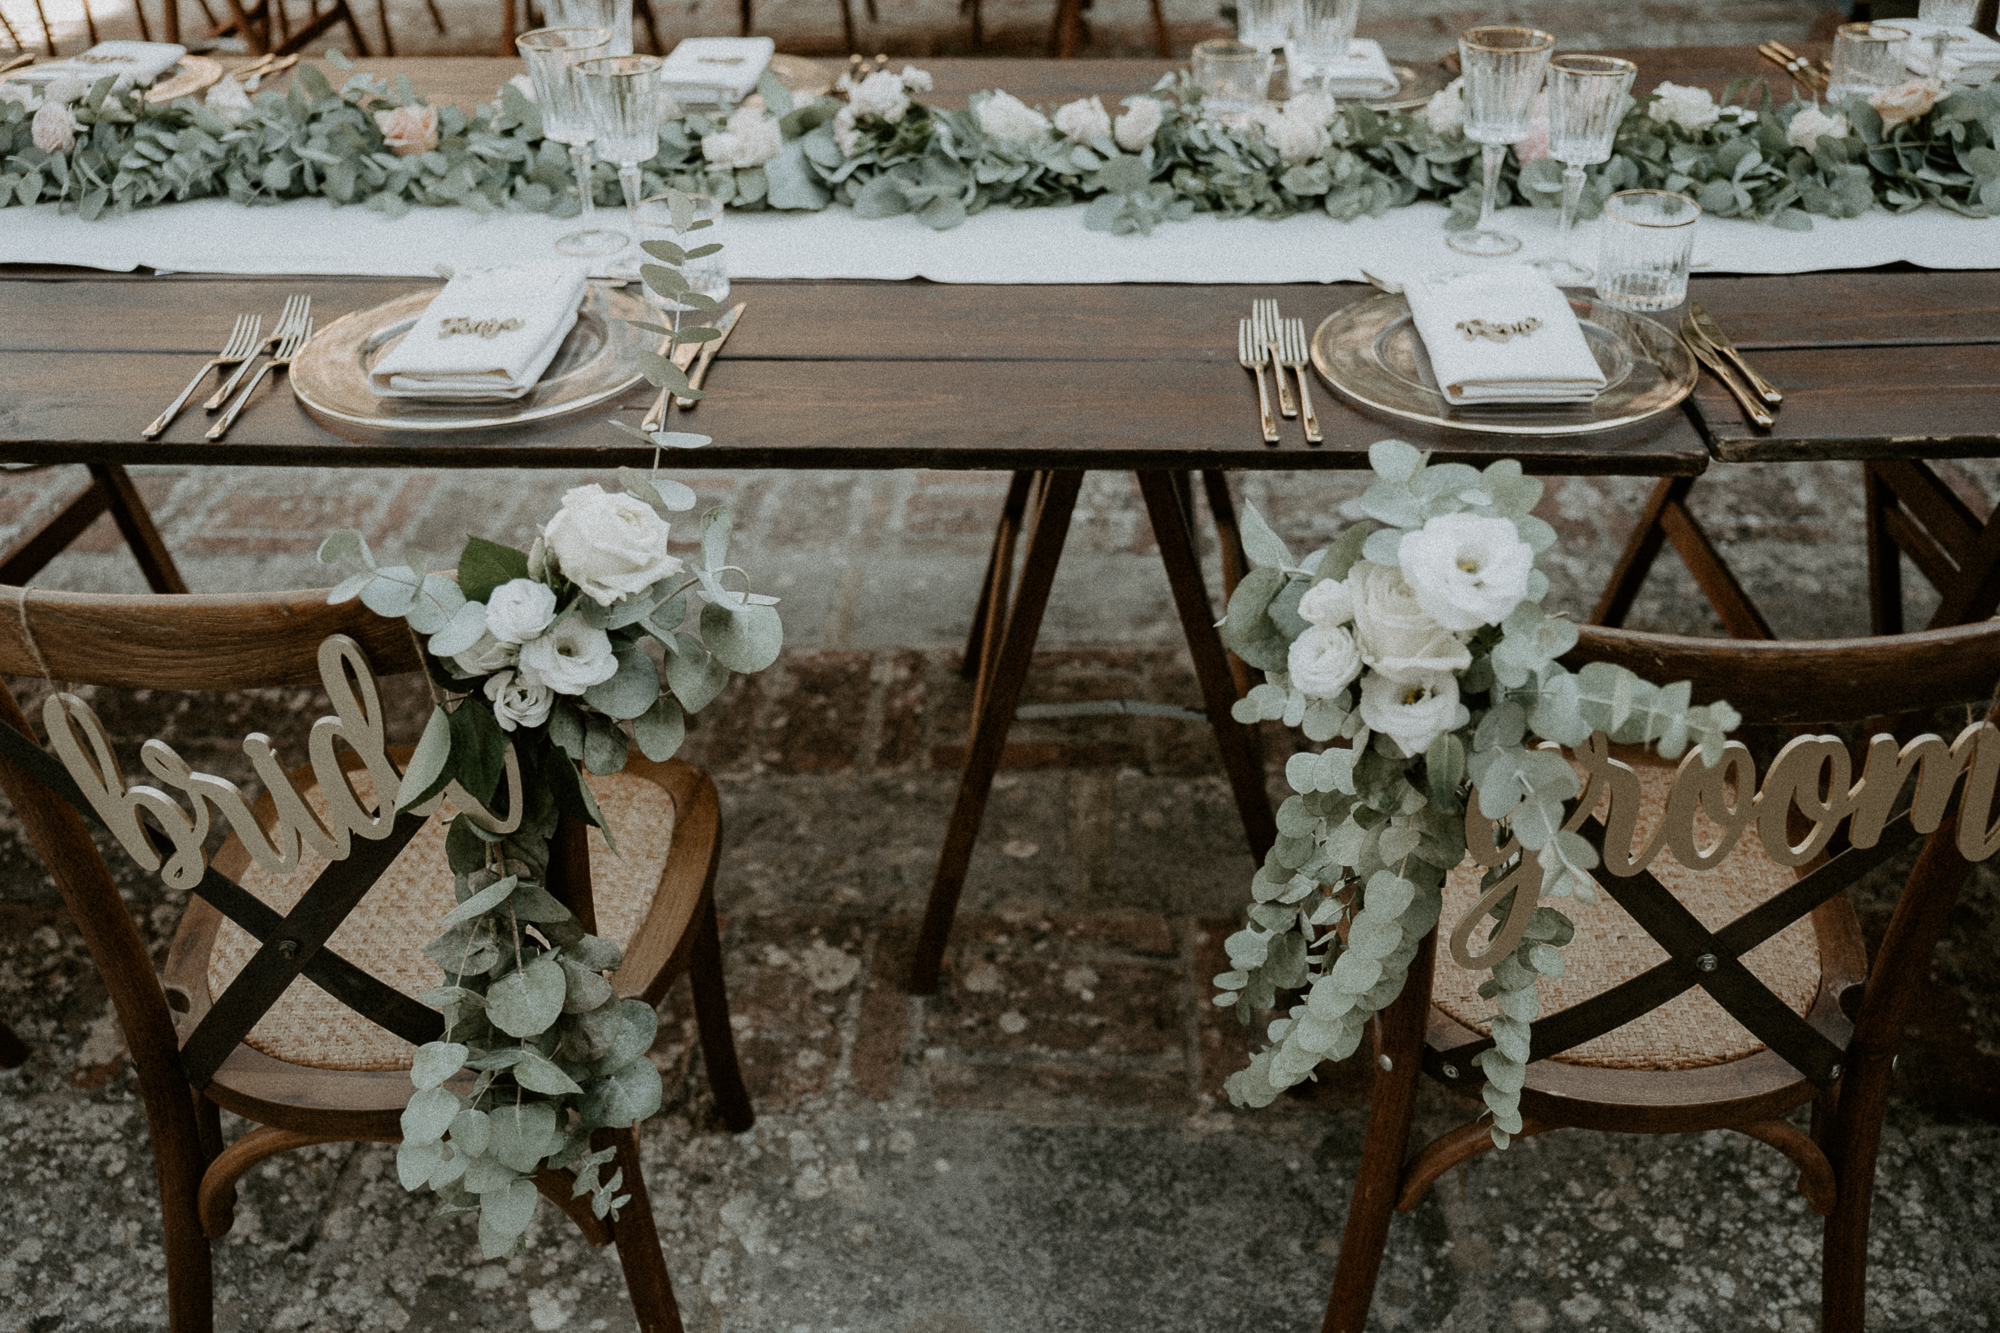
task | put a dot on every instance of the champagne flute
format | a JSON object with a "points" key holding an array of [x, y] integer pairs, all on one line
{"points": [[1587, 100], [623, 95], [1503, 72], [552, 55], [1945, 15]]}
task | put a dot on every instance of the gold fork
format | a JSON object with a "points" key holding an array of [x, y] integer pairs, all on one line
{"points": [[1264, 316], [296, 309], [1250, 355], [1291, 351], [242, 345], [288, 349]]}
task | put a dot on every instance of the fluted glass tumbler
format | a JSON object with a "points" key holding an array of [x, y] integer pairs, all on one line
{"points": [[1503, 72], [1319, 41], [1233, 78], [623, 96], [1867, 58], [552, 55], [1587, 100], [1644, 248], [1265, 25]]}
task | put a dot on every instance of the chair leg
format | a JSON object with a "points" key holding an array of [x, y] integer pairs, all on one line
{"points": [[1885, 565], [48, 33], [711, 1015], [90, 22], [993, 585], [437, 19], [638, 1240], [145, 28], [978, 28], [135, 524], [743, 17], [1857, 1137], [645, 9], [1392, 1107], [847, 26], [1162, 41], [388, 37]]}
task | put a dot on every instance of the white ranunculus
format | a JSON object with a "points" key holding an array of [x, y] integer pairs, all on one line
{"points": [[1326, 604], [1467, 570], [916, 80], [228, 100], [609, 545], [880, 94], [1693, 109], [1299, 136], [1398, 638], [1323, 662], [1445, 111], [1313, 106], [53, 128], [519, 609], [1412, 713], [752, 139], [846, 134], [570, 658], [1138, 123], [488, 654], [1906, 101], [518, 700], [1007, 118], [1084, 120], [1811, 125]]}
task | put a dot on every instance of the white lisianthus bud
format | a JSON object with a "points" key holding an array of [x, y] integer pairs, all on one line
{"points": [[1811, 125], [1323, 662], [518, 700], [1412, 713], [1084, 120], [488, 654], [752, 139], [916, 80], [1327, 603], [519, 610], [846, 134], [1445, 112], [570, 658], [54, 128], [1398, 638], [1693, 109], [609, 545], [1466, 570], [881, 94], [1005, 117], [1138, 123]]}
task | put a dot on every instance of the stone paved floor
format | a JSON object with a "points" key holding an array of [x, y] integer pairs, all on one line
{"points": [[1042, 1146]]}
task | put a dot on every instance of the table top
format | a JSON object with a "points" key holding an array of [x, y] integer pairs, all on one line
{"points": [[917, 374]]}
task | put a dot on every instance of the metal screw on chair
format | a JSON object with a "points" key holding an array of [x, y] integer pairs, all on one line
{"points": [[1386, 1063], [288, 949], [1706, 963], [1451, 1071], [1833, 1071]]}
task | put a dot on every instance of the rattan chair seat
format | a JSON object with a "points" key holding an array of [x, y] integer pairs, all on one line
{"points": [[386, 933], [1691, 1030]]}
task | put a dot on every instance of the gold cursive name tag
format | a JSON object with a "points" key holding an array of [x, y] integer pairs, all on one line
{"points": [[1500, 333], [485, 328]]}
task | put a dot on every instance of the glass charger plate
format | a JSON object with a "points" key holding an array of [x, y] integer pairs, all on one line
{"points": [[596, 364], [1370, 352]]}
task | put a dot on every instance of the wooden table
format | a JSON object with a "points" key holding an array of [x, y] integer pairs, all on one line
{"points": [[1045, 381]]}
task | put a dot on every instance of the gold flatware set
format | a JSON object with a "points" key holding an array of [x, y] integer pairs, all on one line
{"points": [[1268, 340], [247, 342], [1811, 77], [698, 355], [1712, 347]]}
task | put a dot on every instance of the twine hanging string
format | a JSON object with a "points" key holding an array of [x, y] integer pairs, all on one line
{"points": [[34, 646]]}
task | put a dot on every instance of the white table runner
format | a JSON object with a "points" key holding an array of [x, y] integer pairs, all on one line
{"points": [[1043, 245]]}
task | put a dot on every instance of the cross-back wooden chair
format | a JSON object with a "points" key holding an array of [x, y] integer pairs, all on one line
{"points": [[228, 1027], [1709, 999]]}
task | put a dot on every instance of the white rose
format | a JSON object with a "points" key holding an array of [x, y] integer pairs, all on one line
{"points": [[1811, 125], [519, 701], [1316, 107], [1445, 111], [1397, 636], [1693, 109], [880, 94], [1323, 662], [570, 658], [1904, 102], [752, 139], [1084, 120], [54, 128], [1138, 123], [1299, 136], [1327, 603], [519, 609], [489, 654], [916, 80], [1412, 713], [1466, 570], [408, 130], [846, 134], [1007, 118], [609, 545], [228, 101]]}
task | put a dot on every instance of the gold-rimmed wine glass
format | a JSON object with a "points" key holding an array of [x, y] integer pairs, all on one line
{"points": [[1503, 72], [1587, 100], [553, 55]]}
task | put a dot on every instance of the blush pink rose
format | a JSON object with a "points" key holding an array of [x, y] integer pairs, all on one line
{"points": [[54, 129], [1536, 146], [409, 130]]}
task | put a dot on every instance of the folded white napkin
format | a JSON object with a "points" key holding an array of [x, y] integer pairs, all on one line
{"points": [[715, 69], [489, 334], [1503, 335], [1976, 54], [132, 62], [1365, 73]]}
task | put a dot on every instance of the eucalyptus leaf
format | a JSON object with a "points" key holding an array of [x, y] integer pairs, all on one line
{"points": [[526, 1003]]}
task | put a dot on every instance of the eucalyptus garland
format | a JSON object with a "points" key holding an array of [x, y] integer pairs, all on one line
{"points": [[1418, 646], [872, 147]]}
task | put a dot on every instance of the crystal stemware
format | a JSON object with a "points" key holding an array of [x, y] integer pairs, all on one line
{"points": [[552, 55], [1503, 72], [614, 16], [1266, 25], [1945, 15], [1645, 247], [1320, 35], [623, 95], [1587, 100]]}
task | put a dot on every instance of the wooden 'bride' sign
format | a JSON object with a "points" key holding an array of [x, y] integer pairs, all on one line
{"points": [[357, 723], [1811, 776]]}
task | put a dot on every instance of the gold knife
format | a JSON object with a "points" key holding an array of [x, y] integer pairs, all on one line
{"points": [[1720, 342], [723, 327], [656, 415], [1708, 356]]}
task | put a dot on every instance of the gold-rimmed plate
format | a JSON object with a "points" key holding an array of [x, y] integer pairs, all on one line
{"points": [[597, 363], [1370, 351]]}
